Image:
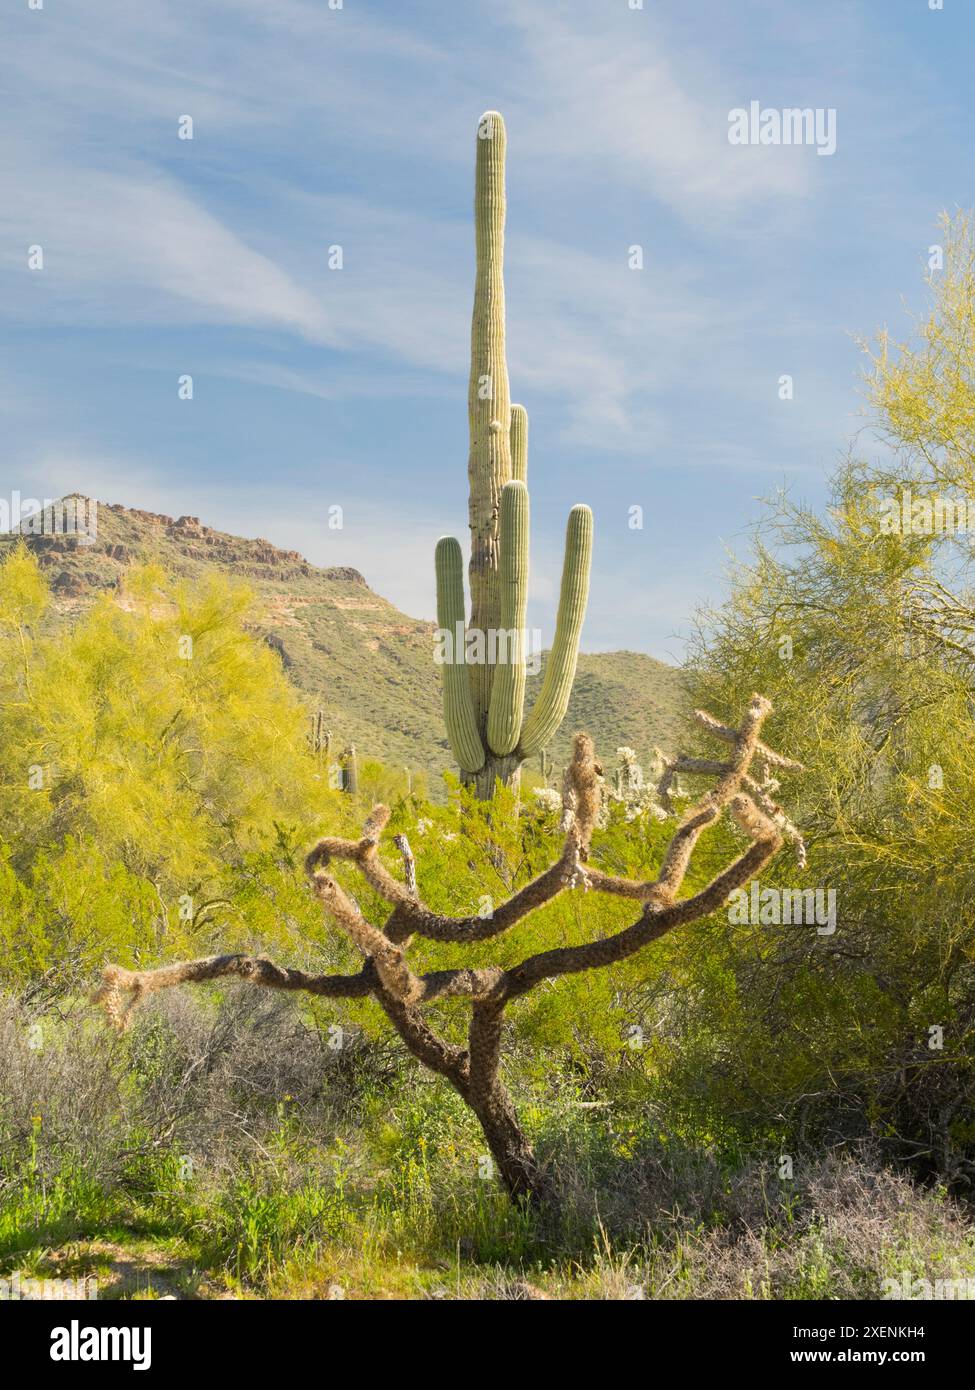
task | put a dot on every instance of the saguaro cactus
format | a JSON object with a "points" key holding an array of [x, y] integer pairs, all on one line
{"points": [[350, 765], [485, 662], [321, 738]]}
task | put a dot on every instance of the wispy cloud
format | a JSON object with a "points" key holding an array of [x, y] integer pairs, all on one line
{"points": [[127, 241], [316, 126], [627, 100], [130, 245]]}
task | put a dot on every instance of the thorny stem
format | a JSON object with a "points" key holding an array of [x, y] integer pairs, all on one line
{"points": [[474, 1071]]}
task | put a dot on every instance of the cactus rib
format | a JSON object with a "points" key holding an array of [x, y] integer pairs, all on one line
{"points": [[508, 691], [553, 699], [519, 443], [458, 704]]}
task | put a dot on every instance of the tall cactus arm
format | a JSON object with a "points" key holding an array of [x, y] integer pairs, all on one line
{"points": [[508, 690], [458, 707], [488, 399], [553, 699], [519, 443]]}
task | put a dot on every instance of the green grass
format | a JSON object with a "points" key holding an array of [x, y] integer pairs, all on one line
{"points": [[380, 1212]]}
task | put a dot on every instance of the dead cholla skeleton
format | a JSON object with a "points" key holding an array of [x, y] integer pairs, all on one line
{"points": [[474, 1071], [762, 788]]}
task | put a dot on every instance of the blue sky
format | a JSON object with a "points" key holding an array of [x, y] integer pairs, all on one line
{"points": [[356, 126]]}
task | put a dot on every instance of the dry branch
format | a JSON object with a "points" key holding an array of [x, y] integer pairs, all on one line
{"points": [[474, 1071]]}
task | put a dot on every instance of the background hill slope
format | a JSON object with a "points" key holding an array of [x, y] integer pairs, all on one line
{"points": [[349, 650]]}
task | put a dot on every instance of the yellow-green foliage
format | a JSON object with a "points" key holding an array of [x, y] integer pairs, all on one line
{"points": [[863, 641], [923, 392], [175, 795], [144, 750]]}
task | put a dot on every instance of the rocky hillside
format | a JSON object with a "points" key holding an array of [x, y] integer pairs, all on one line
{"points": [[350, 651]]}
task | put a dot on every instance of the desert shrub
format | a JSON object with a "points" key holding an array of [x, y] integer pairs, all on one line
{"points": [[847, 1226], [860, 633], [148, 750], [229, 1124], [203, 1080]]}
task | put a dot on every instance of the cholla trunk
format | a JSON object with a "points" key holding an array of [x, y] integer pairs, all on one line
{"points": [[512, 1153], [386, 974], [492, 1105], [475, 1077]]}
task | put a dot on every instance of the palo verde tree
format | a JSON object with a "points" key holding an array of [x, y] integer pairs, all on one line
{"points": [[485, 662], [858, 621], [148, 750], [474, 1070]]}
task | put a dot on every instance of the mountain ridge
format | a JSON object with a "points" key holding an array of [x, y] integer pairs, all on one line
{"points": [[350, 651]]}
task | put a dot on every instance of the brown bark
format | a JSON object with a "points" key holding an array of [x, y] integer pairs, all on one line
{"points": [[492, 1105], [475, 1072]]}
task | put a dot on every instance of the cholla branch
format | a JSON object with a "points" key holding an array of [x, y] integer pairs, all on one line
{"points": [[664, 786], [580, 808], [580, 793], [409, 863], [656, 920], [475, 1071], [760, 791], [121, 991], [722, 731], [394, 974], [420, 1039]]}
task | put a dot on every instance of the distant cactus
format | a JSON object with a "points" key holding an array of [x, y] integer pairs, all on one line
{"points": [[630, 787], [630, 773], [321, 737], [545, 764], [484, 690], [350, 766]]}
